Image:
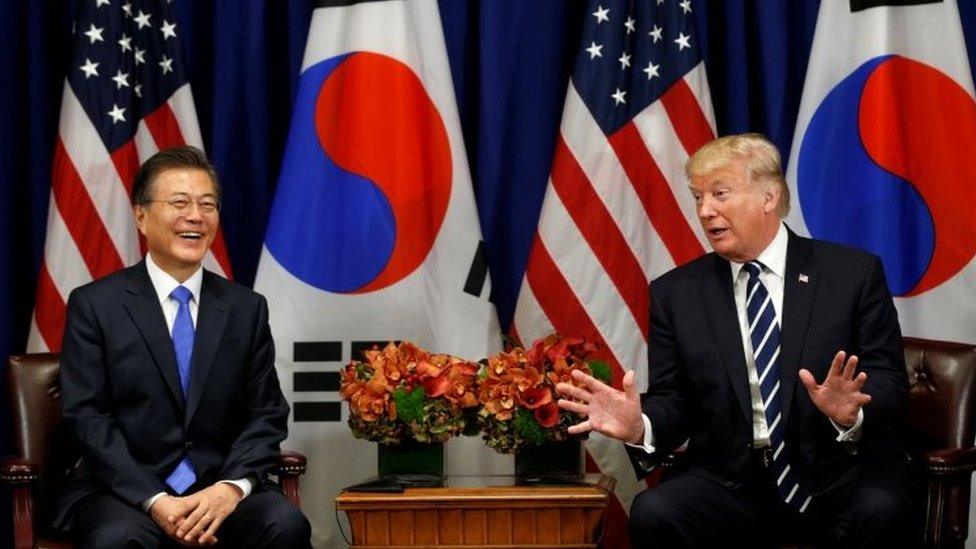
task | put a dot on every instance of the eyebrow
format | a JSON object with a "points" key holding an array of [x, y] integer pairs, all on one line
{"points": [[182, 193]]}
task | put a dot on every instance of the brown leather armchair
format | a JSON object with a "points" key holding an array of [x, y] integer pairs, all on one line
{"points": [[45, 455], [940, 428]]}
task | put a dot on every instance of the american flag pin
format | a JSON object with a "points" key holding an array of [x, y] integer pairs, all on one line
{"points": [[804, 278]]}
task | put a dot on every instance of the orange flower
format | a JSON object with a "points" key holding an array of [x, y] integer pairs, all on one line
{"points": [[547, 415], [538, 396]]}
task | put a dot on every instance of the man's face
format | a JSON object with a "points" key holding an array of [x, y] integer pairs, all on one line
{"points": [[177, 229], [739, 216]]}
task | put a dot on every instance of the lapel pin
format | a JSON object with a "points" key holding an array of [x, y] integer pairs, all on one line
{"points": [[804, 278]]}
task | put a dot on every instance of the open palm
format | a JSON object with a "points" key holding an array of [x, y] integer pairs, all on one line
{"points": [[612, 412], [839, 396]]}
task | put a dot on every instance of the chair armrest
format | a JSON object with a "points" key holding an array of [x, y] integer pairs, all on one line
{"points": [[20, 474], [291, 464], [16, 471], [949, 461]]}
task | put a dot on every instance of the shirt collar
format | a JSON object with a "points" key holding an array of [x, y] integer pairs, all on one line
{"points": [[773, 257], [164, 284]]}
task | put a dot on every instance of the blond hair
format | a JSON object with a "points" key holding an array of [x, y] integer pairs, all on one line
{"points": [[761, 157]]}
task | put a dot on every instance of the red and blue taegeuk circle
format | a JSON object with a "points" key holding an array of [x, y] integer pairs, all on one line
{"points": [[887, 164], [366, 179]]}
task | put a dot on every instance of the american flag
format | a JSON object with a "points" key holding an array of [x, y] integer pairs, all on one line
{"points": [[126, 96], [617, 212]]}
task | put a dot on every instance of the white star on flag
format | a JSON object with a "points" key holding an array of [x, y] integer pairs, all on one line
{"points": [[656, 33], [168, 29], [624, 60], [100, 3], [601, 14], [121, 79], [126, 43], [90, 69], [166, 64], [116, 114], [140, 56], [651, 70], [143, 20], [619, 96], [685, 6], [630, 24], [94, 33], [682, 41], [594, 50]]}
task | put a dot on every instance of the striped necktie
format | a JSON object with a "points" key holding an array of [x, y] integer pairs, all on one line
{"points": [[764, 334]]}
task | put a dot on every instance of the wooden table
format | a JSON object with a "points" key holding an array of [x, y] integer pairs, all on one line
{"points": [[480, 511]]}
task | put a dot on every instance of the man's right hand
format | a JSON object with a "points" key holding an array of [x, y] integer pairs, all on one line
{"points": [[614, 413], [168, 511]]}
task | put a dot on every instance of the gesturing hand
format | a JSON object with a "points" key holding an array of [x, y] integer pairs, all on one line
{"points": [[839, 396], [211, 507], [614, 413]]}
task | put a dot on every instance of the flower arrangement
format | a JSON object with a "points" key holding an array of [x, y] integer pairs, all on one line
{"points": [[403, 392], [517, 391]]}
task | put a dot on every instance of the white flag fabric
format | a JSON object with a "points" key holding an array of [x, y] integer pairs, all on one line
{"points": [[374, 233], [884, 152]]}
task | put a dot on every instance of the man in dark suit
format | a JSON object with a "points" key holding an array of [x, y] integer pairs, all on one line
{"points": [[169, 387], [778, 360]]}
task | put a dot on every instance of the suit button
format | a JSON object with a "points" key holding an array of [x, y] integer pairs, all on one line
{"points": [[188, 444]]}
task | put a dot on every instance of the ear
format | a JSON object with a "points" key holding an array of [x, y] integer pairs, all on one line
{"points": [[139, 213], [771, 198]]}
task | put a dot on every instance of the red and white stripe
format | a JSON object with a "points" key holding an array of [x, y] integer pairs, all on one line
{"points": [[90, 228], [617, 214]]}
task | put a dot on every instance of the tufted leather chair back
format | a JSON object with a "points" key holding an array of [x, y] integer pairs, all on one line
{"points": [[940, 428], [942, 395], [35, 401]]}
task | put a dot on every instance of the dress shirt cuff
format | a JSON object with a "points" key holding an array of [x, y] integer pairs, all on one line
{"points": [[853, 434], [648, 444], [242, 483], [147, 505]]}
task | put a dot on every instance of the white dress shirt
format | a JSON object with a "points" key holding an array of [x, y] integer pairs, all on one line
{"points": [[164, 284], [772, 276]]}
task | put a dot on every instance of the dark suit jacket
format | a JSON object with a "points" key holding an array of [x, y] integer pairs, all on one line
{"points": [[699, 388], [121, 392]]}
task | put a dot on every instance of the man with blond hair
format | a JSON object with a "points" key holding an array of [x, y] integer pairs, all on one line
{"points": [[777, 360]]}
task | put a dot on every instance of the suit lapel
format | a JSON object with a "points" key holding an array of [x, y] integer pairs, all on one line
{"points": [[717, 289], [211, 320], [142, 304], [799, 293]]}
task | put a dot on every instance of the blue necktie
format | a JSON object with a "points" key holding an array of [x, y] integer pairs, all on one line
{"points": [[764, 334], [183, 476]]}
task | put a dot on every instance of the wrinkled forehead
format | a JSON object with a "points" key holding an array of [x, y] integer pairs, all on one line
{"points": [[734, 173], [189, 181]]}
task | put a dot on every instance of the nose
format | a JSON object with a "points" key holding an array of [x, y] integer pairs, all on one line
{"points": [[193, 212]]}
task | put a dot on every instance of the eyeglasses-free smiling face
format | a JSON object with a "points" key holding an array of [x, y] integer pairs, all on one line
{"points": [[180, 221], [740, 217]]}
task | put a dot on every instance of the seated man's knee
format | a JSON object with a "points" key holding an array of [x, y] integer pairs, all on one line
{"points": [[289, 526], [120, 535], [652, 517]]}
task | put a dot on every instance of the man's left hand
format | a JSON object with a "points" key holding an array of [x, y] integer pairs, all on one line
{"points": [[214, 503], [839, 396]]}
